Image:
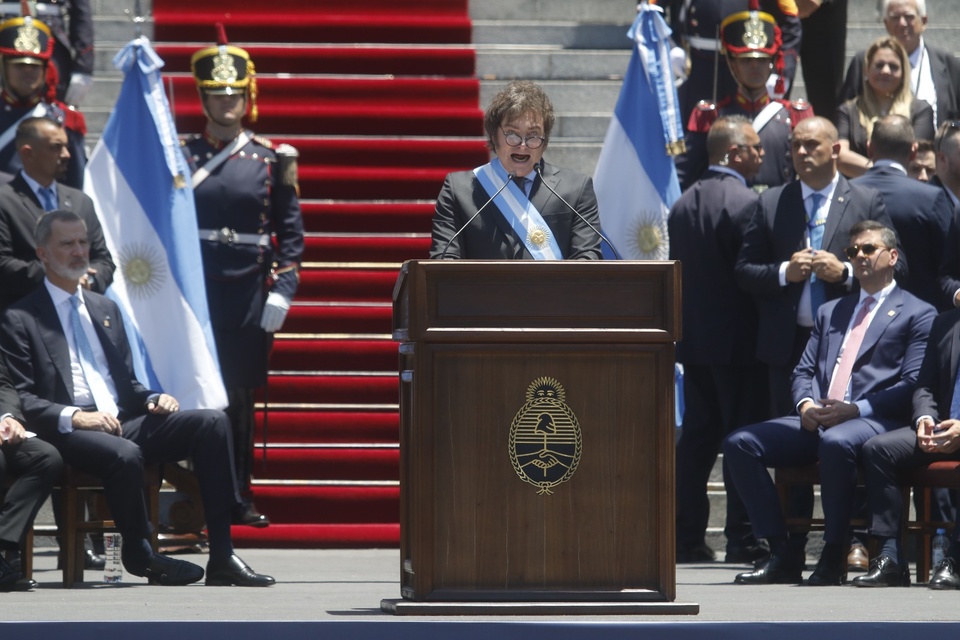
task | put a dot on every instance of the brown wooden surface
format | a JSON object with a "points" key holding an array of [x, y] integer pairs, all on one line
{"points": [[471, 527]]}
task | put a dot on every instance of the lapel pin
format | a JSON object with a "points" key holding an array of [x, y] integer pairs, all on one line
{"points": [[840, 199], [106, 322], [891, 313]]}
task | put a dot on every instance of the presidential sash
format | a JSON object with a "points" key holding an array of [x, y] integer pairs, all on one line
{"points": [[519, 212]]}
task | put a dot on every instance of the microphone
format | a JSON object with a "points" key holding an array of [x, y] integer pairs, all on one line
{"points": [[510, 177], [579, 215]]}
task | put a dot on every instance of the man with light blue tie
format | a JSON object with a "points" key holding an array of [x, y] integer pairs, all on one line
{"points": [[854, 381], [42, 147], [70, 363], [792, 259]]}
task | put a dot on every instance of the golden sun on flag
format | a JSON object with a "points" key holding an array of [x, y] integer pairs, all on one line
{"points": [[646, 236], [143, 269]]}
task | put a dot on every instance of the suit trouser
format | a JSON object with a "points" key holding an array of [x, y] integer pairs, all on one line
{"points": [[822, 56], [884, 458], [203, 436], [37, 466], [718, 400], [784, 443]]}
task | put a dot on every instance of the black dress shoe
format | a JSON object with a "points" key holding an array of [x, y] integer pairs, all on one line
{"points": [[166, 571], [234, 571], [247, 514], [746, 554], [827, 574], [90, 560], [695, 555], [9, 577], [776, 570], [884, 572], [945, 575]]}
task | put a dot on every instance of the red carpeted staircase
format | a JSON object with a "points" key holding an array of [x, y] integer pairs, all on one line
{"points": [[381, 99]]}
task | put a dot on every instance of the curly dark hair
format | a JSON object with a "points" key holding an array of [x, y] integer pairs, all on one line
{"points": [[519, 97]]}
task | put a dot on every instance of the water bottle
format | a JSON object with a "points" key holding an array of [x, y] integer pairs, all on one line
{"points": [[939, 546], [113, 570]]}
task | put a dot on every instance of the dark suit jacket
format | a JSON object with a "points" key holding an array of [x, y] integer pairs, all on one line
{"points": [[776, 232], [36, 352], [945, 69], [9, 401], [921, 216], [938, 373], [706, 226], [886, 367], [490, 236], [20, 270]]}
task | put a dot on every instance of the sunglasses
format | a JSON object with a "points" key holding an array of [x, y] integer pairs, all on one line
{"points": [[868, 250]]}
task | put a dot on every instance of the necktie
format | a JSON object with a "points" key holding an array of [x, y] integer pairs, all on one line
{"points": [[841, 379], [46, 197], [524, 184], [98, 386], [817, 292]]}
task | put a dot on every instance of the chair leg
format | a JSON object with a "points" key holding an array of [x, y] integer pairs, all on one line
{"points": [[26, 555], [67, 538]]}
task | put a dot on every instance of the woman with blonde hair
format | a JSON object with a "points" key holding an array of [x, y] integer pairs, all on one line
{"points": [[885, 91]]}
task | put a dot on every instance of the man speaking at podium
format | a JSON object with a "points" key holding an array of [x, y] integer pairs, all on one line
{"points": [[517, 207]]}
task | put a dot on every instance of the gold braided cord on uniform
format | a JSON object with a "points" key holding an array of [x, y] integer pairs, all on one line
{"points": [[252, 74]]}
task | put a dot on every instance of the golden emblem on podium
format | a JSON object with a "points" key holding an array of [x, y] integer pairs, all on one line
{"points": [[545, 439]]}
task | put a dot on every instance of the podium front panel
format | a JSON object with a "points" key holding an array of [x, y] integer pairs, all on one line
{"points": [[486, 513]]}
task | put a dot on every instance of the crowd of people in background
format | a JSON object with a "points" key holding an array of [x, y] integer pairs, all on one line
{"points": [[829, 282]]}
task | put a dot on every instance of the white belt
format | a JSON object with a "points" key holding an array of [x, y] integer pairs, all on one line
{"points": [[44, 9], [229, 236], [703, 44]]}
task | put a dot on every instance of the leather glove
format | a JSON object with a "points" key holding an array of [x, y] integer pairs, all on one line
{"points": [[80, 84], [274, 312]]}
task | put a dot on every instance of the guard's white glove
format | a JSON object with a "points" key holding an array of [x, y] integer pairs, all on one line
{"points": [[80, 84], [274, 312], [678, 64]]}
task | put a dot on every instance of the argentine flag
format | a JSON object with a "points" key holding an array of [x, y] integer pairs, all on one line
{"points": [[636, 181], [139, 181]]}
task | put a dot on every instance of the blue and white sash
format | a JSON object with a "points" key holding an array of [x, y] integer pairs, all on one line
{"points": [[519, 212]]}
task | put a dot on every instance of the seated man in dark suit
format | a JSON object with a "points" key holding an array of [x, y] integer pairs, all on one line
{"points": [[70, 362], [853, 381], [527, 216], [36, 466], [933, 435]]}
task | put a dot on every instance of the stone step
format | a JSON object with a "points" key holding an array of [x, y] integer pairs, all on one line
{"points": [[548, 62], [569, 10]]}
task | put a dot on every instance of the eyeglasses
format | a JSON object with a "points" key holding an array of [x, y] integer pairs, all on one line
{"points": [[515, 139], [868, 250], [946, 130]]}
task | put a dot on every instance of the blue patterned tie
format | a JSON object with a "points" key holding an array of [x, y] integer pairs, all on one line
{"points": [[49, 202], [98, 386], [817, 292]]}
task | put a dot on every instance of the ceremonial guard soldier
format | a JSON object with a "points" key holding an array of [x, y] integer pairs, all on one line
{"points": [[29, 90], [251, 236], [71, 23], [751, 42]]}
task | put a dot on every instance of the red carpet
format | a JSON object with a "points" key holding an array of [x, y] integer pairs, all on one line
{"points": [[381, 99]]}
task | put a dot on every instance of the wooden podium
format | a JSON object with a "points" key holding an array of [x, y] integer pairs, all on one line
{"points": [[537, 437]]}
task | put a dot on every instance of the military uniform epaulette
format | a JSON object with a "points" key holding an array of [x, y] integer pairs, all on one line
{"points": [[193, 137], [702, 117], [263, 142], [799, 110], [72, 119]]}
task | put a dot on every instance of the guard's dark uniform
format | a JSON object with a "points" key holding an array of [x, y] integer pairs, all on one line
{"points": [[777, 167], [71, 22], [245, 195], [27, 40], [245, 198]]}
